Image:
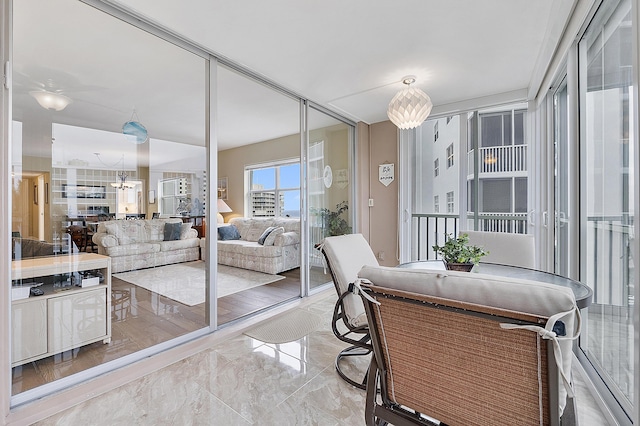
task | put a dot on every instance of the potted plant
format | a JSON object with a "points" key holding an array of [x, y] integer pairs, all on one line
{"points": [[332, 221], [458, 254]]}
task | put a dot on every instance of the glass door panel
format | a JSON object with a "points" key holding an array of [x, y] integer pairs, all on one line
{"points": [[329, 191], [259, 159], [73, 171], [607, 217]]}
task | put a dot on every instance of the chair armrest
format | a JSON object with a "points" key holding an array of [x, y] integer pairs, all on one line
{"points": [[105, 240], [287, 239]]}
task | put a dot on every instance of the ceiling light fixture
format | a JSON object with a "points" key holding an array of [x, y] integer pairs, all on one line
{"points": [[134, 131], [50, 100], [410, 106], [122, 182]]}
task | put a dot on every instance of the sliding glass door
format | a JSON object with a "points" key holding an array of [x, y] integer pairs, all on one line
{"points": [[607, 217], [259, 176], [329, 186], [104, 114]]}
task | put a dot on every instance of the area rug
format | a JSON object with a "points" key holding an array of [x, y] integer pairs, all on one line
{"points": [[184, 282], [288, 327]]}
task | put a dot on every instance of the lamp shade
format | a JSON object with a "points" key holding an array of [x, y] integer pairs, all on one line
{"points": [[223, 207], [409, 108], [50, 100]]}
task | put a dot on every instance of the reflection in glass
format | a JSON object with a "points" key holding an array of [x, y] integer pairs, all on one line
{"points": [[329, 189], [259, 157], [65, 208], [608, 219]]}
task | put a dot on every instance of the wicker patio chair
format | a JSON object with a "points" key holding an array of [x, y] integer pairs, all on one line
{"points": [[345, 255], [467, 349]]}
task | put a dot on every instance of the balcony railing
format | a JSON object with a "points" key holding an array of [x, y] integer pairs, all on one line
{"points": [[430, 229], [499, 159]]}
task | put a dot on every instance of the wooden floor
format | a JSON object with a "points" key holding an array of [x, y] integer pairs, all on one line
{"points": [[141, 319]]}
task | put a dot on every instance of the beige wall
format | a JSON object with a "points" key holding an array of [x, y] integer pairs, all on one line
{"points": [[383, 216], [376, 144], [231, 164]]}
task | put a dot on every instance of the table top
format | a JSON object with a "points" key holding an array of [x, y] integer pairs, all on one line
{"points": [[583, 293]]}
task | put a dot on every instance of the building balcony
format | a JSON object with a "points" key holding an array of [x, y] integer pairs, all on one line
{"points": [[499, 161]]}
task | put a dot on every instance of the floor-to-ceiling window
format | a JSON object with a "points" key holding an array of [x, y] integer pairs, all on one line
{"points": [[607, 217], [103, 114], [489, 184]]}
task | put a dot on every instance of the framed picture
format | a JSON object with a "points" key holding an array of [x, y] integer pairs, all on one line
{"points": [[83, 191], [152, 196], [222, 188]]}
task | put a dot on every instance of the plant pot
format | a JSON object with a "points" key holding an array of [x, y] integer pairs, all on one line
{"points": [[463, 267]]}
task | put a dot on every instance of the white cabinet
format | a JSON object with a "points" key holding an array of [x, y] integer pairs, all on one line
{"points": [[64, 317], [29, 325]]}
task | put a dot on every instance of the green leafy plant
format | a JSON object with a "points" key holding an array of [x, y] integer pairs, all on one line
{"points": [[458, 250], [332, 222]]}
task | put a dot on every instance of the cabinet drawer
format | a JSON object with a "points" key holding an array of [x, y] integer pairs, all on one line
{"points": [[77, 319]]}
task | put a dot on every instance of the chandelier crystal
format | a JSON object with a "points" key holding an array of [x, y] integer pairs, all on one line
{"points": [[410, 106]]}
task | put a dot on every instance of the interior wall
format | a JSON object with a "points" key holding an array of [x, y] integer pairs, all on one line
{"points": [[231, 164], [383, 215]]}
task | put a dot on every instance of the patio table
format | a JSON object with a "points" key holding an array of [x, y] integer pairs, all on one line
{"points": [[583, 293]]}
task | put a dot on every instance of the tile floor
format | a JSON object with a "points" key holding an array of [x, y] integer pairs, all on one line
{"points": [[243, 381]]}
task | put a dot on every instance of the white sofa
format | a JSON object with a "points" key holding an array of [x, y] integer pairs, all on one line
{"points": [[137, 244], [247, 253]]}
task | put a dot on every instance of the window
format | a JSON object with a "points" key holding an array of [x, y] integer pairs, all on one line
{"points": [[436, 167], [502, 128], [450, 156], [275, 191], [435, 132], [436, 204], [450, 202]]}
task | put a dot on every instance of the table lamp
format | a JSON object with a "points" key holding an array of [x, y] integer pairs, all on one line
{"points": [[222, 208]]}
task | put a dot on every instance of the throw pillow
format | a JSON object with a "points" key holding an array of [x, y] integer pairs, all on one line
{"points": [[228, 233], [172, 231], [265, 234], [272, 236], [184, 229]]}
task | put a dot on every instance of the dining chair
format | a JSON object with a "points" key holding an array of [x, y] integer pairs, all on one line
{"points": [[345, 255], [505, 248], [78, 235], [463, 348]]}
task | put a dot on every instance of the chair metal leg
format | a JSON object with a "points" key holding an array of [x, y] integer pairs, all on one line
{"points": [[348, 352]]}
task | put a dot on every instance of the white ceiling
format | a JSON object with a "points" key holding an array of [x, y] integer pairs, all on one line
{"points": [[351, 55], [348, 56]]}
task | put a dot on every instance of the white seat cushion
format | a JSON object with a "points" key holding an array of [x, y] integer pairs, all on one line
{"points": [[347, 254]]}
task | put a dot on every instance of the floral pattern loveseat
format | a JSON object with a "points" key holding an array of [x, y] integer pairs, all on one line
{"points": [[137, 244], [279, 253]]}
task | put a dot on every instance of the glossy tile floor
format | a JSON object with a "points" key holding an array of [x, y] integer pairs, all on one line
{"points": [[243, 381]]}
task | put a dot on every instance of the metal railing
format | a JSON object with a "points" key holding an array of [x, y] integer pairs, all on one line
{"points": [[429, 229], [610, 271]]}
